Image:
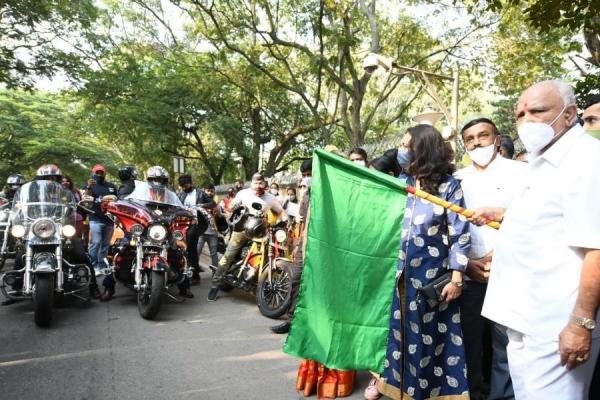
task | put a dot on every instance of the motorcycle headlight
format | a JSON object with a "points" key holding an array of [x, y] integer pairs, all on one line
{"points": [[178, 235], [17, 231], [280, 236], [137, 230], [157, 232], [68, 231], [43, 228]]}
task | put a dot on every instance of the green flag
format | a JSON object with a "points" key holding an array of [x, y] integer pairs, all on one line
{"points": [[343, 311]]}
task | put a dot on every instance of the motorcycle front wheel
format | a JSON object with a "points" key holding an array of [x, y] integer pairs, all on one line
{"points": [[150, 298], [43, 294], [274, 297]]}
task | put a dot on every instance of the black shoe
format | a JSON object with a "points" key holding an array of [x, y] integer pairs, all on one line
{"points": [[281, 328], [8, 302], [108, 295], [187, 293], [94, 292], [212, 295]]}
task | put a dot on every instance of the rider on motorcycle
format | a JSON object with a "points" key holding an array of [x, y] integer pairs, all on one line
{"points": [[127, 175], [245, 197], [13, 183], [52, 173], [154, 189]]}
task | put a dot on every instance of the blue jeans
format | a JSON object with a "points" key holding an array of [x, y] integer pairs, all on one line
{"points": [[212, 241], [101, 234]]}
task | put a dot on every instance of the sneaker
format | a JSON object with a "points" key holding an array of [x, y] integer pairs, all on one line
{"points": [[94, 292], [212, 295], [371, 392]]}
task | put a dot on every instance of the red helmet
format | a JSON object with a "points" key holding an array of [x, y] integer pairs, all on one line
{"points": [[48, 170]]}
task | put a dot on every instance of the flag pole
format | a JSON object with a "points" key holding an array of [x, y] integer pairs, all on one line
{"points": [[450, 206]]}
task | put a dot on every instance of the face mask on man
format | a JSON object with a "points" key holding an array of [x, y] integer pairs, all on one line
{"points": [[593, 132], [259, 191], [360, 162], [302, 192], [98, 178], [404, 157], [536, 135], [483, 155]]}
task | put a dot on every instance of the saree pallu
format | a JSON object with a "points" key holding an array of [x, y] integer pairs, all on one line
{"points": [[329, 383]]}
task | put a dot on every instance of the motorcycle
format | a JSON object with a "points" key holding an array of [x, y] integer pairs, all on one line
{"points": [[263, 269], [7, 242], [154, 259], [43, 227]]}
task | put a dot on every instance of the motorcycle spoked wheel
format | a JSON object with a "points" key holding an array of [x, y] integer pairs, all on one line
{"points": [[43, 300], [273, 298], [150, 298]]}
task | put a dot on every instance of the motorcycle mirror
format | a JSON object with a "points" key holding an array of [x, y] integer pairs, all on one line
{"points": [[257, 206]]}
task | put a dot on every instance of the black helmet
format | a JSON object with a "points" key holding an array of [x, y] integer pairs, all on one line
{"points": [[255, 226], [238, 218], [157, 177], [48, 170], [15, 181], [128, 173], [183, 179]]}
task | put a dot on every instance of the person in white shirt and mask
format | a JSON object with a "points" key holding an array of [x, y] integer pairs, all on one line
{"points": [[490, 180], [545, 280]]}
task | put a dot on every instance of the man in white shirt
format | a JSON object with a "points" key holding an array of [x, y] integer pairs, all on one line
{"points": [[545, 281], [245, 197], [491, 180]]}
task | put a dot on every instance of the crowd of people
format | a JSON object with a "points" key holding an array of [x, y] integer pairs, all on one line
{"points": [[517, 319]]}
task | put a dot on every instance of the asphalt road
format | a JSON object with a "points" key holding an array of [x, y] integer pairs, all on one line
{"points": [[193, 350]]}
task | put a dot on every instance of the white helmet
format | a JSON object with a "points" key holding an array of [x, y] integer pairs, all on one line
{"points": [[157, 177]]}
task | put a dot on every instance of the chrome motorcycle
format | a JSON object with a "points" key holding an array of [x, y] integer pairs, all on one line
{"points": [[43, 225], [7, 242], [152, 257]]}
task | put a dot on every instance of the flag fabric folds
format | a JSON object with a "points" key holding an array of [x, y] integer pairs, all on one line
{"points": [[343, 311]]}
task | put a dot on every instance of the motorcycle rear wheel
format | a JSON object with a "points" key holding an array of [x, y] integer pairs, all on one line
{"points": [[150, 299], [43, 299], [274, 297]]}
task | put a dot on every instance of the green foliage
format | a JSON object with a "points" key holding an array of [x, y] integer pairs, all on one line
{"points": [[34, 131], [33, 35]]}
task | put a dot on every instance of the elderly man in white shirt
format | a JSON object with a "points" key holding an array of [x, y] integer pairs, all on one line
{"points": [[546, 288], [491, 180]]}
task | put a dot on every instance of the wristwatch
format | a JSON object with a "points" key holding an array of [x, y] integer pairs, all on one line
{"points": [[457, 283], [587, 323]]}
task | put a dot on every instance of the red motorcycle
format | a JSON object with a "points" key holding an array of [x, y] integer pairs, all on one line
{"points": [[151, 258]]}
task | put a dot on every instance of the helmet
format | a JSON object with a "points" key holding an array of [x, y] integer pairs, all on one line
{"points": [[255, 226], [15, 181], [128, 173], [238, 218], [157, 177], [48, 170]]}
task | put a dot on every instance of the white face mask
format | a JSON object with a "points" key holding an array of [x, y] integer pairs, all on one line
{"points": [[274, 192], [360, 162], [482, 155], [536, 135], [302, 191]]}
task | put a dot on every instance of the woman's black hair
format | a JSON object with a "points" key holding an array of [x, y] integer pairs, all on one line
{"points": [[431, 160], [386, 164]]}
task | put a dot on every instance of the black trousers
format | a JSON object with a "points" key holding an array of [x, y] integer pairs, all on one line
{"points": [[191, 242]]}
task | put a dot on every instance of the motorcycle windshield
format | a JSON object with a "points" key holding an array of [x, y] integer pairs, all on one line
{"points": [[43, 199]]}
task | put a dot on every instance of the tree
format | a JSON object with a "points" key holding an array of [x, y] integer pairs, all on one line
{"points": [[39, 38], [34, 131]]}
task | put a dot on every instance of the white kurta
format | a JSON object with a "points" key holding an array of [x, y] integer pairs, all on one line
{"points": [[539, 250]]}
